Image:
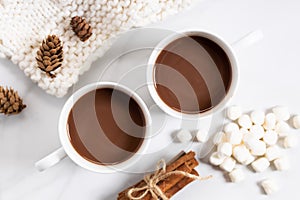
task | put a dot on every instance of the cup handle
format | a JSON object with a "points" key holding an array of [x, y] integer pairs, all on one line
{"points": [[248, 39], [51, 159]]}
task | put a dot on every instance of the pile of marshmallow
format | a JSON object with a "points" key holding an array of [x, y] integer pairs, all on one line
{"points": [[255, 139]]}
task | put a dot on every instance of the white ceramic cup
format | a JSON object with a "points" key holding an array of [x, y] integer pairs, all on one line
{"points": [[68, 150], [243, 42]]}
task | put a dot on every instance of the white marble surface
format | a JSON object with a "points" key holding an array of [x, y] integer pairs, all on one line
{"points": [[269, 76]]}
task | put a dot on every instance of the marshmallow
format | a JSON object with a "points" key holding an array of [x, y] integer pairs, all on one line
{"points": [[231, 127], [249, 160], [201, 135], [270, 137], [244, 130], [228, 164], [246, 134], [219, 138], [249, 140], [282, 164], [273, 153], [234, 112], [270, 121], [245, 121], [257, 131], [257, 147], [225, 149], [234, 137], [260, 164], [282, 128], [241, 153], [236, 175], [296, 122], [281, 113], [257, 117], [184, 136], [290, 141], [215, 159], [269, 186]]}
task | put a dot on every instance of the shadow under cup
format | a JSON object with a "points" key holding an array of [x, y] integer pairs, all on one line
{"points": [[106, 126], [192, 74]]}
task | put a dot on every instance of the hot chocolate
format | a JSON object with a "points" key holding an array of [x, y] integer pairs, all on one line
{"points": [[106, 126], [192, 74]]}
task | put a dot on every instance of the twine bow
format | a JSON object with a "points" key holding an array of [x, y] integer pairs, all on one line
{"points": [[152, 181]]}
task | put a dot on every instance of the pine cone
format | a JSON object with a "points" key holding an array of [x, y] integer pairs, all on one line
{"points": [[81, 28], [10, 102], [50, 55]]}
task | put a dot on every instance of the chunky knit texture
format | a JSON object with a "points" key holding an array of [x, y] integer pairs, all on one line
{"points": [[25, 23]]}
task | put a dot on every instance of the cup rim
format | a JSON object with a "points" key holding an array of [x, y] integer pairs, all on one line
{"points": [[70, 150], [172, 37]]}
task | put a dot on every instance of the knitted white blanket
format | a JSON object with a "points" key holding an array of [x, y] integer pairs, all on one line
{"points": [[24, 24]]}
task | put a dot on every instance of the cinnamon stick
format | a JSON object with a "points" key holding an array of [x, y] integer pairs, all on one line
{"points": [[185, 163], [172, 180], [181, 184], [181, 160], [168, 182], [174, 165]]}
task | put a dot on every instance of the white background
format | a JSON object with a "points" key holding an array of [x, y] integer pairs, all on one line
{"points": [[269, 75]]}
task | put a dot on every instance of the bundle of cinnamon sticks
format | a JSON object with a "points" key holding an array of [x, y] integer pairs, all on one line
{"points": [[174, 183]]}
